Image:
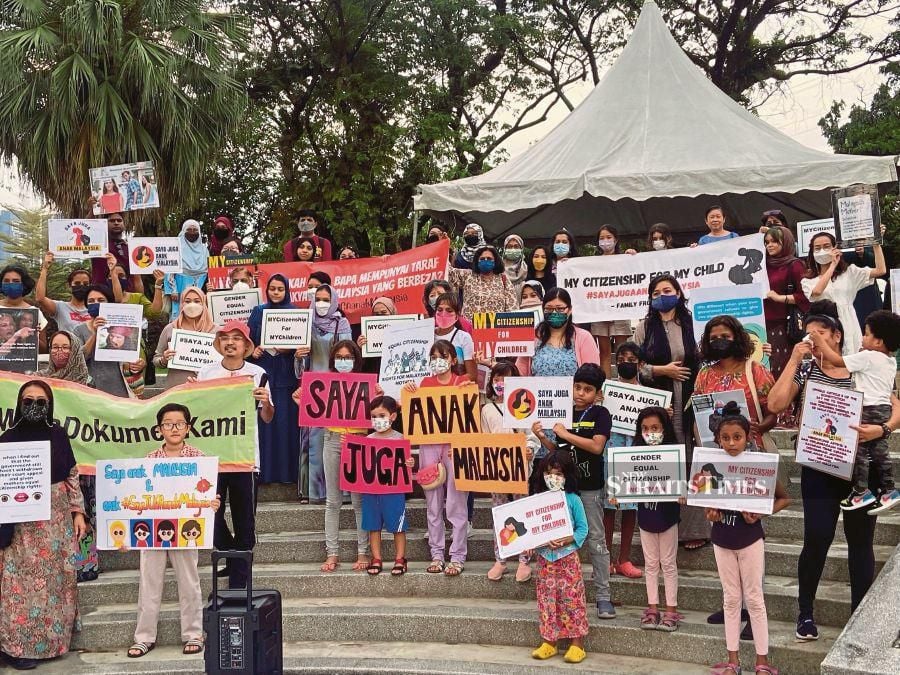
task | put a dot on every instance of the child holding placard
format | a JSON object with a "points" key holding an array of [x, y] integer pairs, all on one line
{"points": [[738, 543]]}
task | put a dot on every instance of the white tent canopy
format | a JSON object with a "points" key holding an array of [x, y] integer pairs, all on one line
{"points": [[654, 141]]}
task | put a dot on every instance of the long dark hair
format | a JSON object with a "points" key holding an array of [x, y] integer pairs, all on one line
{"points": [[354, 351], [543, 329], [655, 349], [614, 232], [558, 459], [573, 245], [430, 286], [669, 436], [815, 269], [664, 230], [744, 347], [529, 261], [503, 369]]}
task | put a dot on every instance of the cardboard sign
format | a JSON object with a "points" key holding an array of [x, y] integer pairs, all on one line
{"points": [[25, 482], [193, 350], [404, 356], [490, 463], [147, 254], [744, 303], [742, 483], [156, 503], [286, 328], [220, 268], [537, 399], [895, 291], [77, 239], [826, 442], [19, 340], [499, 334], [336, 399], [857, 215], [647, 473], [120, 338], [124, 187], [625, 402], [227, 306], [373, 328], [807, 229], [708, 413], [375, 466], [440, 414], [531, 522]]}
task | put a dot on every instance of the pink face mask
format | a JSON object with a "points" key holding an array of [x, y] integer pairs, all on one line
{"points": [[444, 320], [60, 359]]}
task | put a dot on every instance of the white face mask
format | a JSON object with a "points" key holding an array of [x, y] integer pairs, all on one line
{"points": [[607, 245], [659, 244], [653, 438], [322, 307], [554, 482], [192, 309], [381, 424], [342, 365], [823, 257], [311, 294], [240, 286], [439, 366]]}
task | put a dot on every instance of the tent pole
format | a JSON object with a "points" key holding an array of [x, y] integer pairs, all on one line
{"points": [[415, 227]]}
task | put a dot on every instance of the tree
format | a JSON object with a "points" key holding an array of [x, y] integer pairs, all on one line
{"points": [[88, 83], [26, 245]]}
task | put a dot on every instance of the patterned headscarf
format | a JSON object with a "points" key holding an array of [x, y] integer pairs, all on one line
{"points": [[76, 369]]}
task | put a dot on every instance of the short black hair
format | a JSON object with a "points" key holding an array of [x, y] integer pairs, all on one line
{"points": [[75, 273], [558, 459], [307, 213], [498, 263], [28, 282], [714, 207], [740, 420], [389, 403], [106, 291], [885, 326], [743, 345], [630, 347], [590, 373], [503, 369], [173, 407], [322, 277]]}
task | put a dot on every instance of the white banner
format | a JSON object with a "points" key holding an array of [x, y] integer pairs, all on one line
{"points": [[24, 482], [193, 350], [742, 483], [373, 328], [77, 239], [654, 473], [147, 254], [119, 339], [404, 356], [531, 522], [227, 306], [610, 288], [537, 399], [286, 328], [826, 442]]}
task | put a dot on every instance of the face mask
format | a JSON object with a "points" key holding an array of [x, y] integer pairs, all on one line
{"points": [[444, 320], [343, 365], [12, 289], [439, 366], [721, 348], [498, 389], [432, 301], [653, 438], [485, 266], [557, 319], [93, 309], [322, 308], [627, 371], [192, 236], [221, 233], [539, 265], [192, 309], [311, 294], [306, 227], [513, 254], [381, 424], [659, 244], [240, 286], [471, 239], [560, 250], [34, 412], [530, 302], [553, 482], [664, 303], [80, 293], [60, 359], [431, 238], [822, 257], [607, 245]]}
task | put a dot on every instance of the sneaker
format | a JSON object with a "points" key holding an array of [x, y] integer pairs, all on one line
{"points": [[806, 629], [886, 501], [718, 617], [605, 609], [857, 500]]}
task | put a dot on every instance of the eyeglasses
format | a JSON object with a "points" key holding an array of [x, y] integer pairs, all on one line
{"points": [[168, 426], [57, 348], [557, 308], [39, 402]]}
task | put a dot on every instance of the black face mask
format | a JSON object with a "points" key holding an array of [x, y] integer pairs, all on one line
{"points": [[627, 371], [721, 348], [192, 236], [221, 233], [471, 239], [80, 293], [431, 238]]}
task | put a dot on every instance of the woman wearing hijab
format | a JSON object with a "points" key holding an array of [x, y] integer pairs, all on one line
{"points": [[194, 263], [514, 263], [67, 359], [473, 238], [38, 594], [279, 446], [786, 272], [223, 230], [193, 316]]}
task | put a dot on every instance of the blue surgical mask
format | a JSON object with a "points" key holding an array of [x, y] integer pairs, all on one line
{"points": [[12, 289], [485, 266], [664, 303], [93, 308], [560, 250], [344, 365]]}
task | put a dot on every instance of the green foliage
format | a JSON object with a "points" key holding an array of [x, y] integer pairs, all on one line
{"points": [[26, 245]]}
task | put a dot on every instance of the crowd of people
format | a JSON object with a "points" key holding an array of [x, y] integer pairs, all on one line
{"points": [[814, 335]]}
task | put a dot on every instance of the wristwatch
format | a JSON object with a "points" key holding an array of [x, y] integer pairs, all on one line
{"points": [[886, 431]]}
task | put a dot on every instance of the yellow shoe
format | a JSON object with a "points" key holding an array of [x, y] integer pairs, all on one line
{"points": [[545, 651], [574, 654]]}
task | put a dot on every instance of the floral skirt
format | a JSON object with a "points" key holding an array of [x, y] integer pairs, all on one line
{"points": [[560, 598]]}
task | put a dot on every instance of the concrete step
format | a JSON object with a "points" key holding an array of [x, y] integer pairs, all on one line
{"points": [[699, 590], [459, 621]]}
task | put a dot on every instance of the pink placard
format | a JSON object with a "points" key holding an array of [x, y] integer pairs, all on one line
{"points": [[375, 466], [336, 399]]}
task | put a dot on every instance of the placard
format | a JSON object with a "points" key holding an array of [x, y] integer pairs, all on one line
{"points": [[708, 412], [120, 338], [336, 399], [377, 466], [490, 463], [857, 215], [18, 339], [193, 350], [148, 254], [124, 187], [625, 402], [895, 291], [527, 400], [742, 483], [225, 306], [162, 503], [807, 229], [77, 239], [220, 267], [440, 414], [286, 328], [744, 303], [647, 473], [25, 482], [404, 356], [373, 328], [826, 442], [531, 522], [504, 334]]}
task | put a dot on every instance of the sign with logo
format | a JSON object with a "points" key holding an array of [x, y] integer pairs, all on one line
{"points": [[77, 239], [826, 441], [504, 334], [147, 254], [527, 400]]}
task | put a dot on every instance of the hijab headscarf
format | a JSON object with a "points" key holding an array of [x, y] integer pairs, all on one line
{"points": [[286, 302], [215, 244], [788, 247], [76, 369], [517, 271], [467, 252], [203, 323], [387, 302], [334, 321], [194, 255]]}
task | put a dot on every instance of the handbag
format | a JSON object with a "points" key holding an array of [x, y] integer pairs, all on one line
{"points": [[431, 477], [768, 442], [795, 332]]}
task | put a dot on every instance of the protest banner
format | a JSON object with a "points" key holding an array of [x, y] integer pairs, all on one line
{"points": [[119, 339], [501, 334], [895, 295], [102, 426], [614, 287], [18, 340], [193, 350], [25, 482], [528, 400], [373, 328], [709, 411], [227, 306], [336, 399], [742, 483], [375, 466], [360, 281], [124, 187], [490, 463], [625, 401], [440, 414], [219, 268], [826, 442], [744, 303], [857, 215], [77, 239], [286, 328], [647, 473], [148, 254], [161, 503], [531, 522], [404, 355]]}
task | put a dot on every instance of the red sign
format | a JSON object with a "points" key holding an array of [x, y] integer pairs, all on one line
{"points": [[336, 399], [373, 465], [504, 334]]}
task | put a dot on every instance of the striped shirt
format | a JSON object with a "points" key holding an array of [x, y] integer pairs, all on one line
{"points": [[812, 372]]}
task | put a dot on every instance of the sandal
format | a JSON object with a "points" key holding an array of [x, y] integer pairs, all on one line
{"points": [[650, 619], [670, 621], [399, 568], [436, 567], [142, 649], [767, 669], [361, 565], [695, 544], [193, 646], [331, 564], [374, 567], [726, 669], [628, 570], [454, 569]]}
